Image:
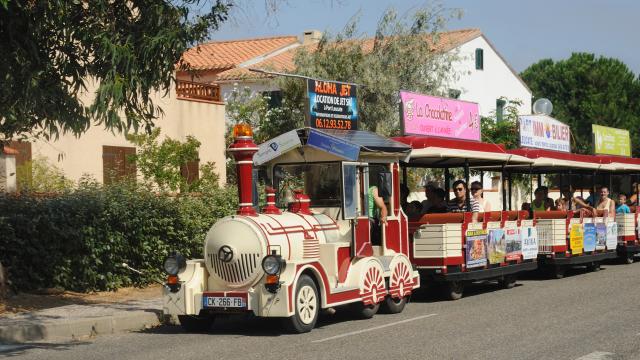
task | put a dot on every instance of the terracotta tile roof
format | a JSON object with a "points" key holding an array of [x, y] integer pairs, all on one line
{"points": [[284, 61], [280, 62], [9, 151], [229, 54]]}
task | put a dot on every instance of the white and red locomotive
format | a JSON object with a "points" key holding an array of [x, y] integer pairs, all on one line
{"points": [[315, 255]]}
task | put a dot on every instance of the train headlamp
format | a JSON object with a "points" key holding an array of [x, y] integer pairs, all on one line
{"points": [[174, 263], [272, 264]]}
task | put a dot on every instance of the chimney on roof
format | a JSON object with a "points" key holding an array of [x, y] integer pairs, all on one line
{"points": [[311, 36]]}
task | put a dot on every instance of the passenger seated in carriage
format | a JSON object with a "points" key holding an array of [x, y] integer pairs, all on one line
{"points": [[622, 207], [572, 202], [459, 203], [439, 205], [540, 201], [477, 195], [604, 203]]}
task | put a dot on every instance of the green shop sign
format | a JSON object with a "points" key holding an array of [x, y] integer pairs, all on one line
{"points": [[611, 141]]}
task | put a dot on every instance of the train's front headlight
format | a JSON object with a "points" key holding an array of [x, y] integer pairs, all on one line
{"points": [[272, 264], [174, 263]]}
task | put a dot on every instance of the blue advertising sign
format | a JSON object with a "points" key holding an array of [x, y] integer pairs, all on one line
{"points": [[332, 145], [589, 237]]}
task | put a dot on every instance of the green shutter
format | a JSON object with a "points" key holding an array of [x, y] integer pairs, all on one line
{"points": [[479, 59], [500, 109]]}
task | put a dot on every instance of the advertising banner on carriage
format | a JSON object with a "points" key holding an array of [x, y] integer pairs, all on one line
{"points": [[612, 236], [497, 246], [611, 141], [529, 238], [332, 105], [436, 116], [277, 146], [544, 132], [601, 236], [576, 238], [514, 244], [476, 248], [589, 237]]}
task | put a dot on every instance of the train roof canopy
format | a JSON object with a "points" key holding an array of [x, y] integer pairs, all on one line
{"points": [[440, 152], [625, 164], [329, 145], [548, 161]]}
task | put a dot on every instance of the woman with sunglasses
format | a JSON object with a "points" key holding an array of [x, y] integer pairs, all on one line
{"points": [[476, 194]]}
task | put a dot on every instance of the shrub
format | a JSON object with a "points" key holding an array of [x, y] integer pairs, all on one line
{"points": [[77, 240]]}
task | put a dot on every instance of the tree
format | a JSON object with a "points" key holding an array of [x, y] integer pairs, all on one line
{"points": [[50, 50], [400, 56], [163, 163], [586, 90], [505, 131]]}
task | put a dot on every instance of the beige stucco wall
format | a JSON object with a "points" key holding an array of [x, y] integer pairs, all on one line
{"points": [[83, 155]]}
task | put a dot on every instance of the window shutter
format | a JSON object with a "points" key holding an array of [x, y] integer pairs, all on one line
{"points": [[116, 163], [500, 109], [479, 59], [191, 171]]}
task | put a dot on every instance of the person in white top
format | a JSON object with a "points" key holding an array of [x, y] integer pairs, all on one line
{"points": [[476, 193], [604, 203]]}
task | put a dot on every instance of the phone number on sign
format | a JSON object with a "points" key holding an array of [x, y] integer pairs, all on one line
{"points": [[333, 124]]}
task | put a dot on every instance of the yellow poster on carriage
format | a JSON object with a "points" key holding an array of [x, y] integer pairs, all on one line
{"points": [[576, 238]]}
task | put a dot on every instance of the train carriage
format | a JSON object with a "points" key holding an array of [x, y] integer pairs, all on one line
{"points": [[440, 242], [319, 253], [628, 230], [561, 232]]}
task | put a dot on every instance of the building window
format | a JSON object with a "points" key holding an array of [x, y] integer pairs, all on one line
{"points": [[117, 163], [454, 94], [275, 98], [500, 109], [190, 171], [479, 59]]}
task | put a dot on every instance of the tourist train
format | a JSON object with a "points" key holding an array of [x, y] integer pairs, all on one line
{"points": [[317, 245]]}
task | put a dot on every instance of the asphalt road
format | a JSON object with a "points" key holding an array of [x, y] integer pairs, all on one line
{"points": [[583, 316]]}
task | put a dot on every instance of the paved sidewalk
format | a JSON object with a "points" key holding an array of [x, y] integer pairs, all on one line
{"points": [[74, 322]]}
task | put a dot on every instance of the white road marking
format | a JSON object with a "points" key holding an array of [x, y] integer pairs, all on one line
{"points": [[598, 355], [374, 328]]}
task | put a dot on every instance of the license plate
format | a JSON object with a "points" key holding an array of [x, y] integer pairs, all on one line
{"points": [[223, 302]]}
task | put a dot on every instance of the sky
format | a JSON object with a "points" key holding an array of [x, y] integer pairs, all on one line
{"points": [[522, 31]]}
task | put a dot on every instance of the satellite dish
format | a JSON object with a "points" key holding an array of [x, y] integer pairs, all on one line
{"points": [[542, 106]]}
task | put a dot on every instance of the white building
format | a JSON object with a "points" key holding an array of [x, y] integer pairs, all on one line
{"points": [[482, 74]]}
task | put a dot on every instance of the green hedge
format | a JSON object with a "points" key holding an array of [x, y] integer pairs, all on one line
{"points": [[78, 240]]}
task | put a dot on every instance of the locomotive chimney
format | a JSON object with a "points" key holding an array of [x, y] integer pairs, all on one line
{"points": [[242, 150], [271, 207]]}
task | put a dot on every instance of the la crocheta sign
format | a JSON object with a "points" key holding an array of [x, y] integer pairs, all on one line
{"points": [[332, 105]]}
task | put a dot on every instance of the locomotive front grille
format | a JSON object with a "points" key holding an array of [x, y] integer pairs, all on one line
{"points": [[238, 271]]}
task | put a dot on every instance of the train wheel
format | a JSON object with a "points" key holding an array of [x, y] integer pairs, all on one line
{"points": [[195, 323], [362, 311], [508, 281], [307, 306], [393, 306], [594, 267], [453, 290], [372, 291], [558, 272]]}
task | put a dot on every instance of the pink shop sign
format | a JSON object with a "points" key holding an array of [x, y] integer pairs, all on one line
{"points": [[436, 116]]}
